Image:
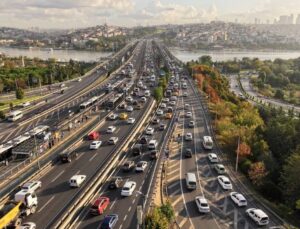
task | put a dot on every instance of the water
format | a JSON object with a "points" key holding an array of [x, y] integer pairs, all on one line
{"points": [[61, 55], [224, 55]]}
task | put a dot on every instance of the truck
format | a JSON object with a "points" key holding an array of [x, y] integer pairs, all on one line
{"points": [[13, 212]]}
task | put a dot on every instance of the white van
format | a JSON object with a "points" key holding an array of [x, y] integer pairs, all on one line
{"points": [[191, 181], [152, 144], [77, 180], [14, 115], [207, 142], [258, 216]]}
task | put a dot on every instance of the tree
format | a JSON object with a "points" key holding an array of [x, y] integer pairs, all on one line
{"points": [[168, 211], [257, 173], [158, 93], [2, 115], [279, 94], [244, 150], [206, 60], [19, 93]]}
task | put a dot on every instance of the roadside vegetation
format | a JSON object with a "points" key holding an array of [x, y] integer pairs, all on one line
{"points": [[161, 217], [279, 79], [36, 72], [162, 85], [269, 149]]}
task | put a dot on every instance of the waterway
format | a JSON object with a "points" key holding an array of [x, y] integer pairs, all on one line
{"points": [[224, 55], [61, 55]]}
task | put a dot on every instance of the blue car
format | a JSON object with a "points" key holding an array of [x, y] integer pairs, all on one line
{"points": [[109, 221]]}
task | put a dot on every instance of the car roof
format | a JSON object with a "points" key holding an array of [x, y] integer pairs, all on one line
{"points": [[224, 178], [201, 199]]}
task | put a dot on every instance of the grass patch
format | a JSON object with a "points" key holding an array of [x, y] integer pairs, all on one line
{"points": [[16, 102]]}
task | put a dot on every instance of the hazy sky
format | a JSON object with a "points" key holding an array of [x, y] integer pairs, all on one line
{"points": [[82, 13]]}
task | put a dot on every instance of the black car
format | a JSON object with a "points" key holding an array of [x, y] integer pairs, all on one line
{"points": [[144, 140], [155, 121], [116, 182], [154, 154], [188, 153], [128, 165], [162, 126]]}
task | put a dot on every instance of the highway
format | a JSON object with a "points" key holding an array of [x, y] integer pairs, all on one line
{"points": [[33, 117]]}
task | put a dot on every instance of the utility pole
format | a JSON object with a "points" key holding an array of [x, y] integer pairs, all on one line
{"points": [[237, 154]]}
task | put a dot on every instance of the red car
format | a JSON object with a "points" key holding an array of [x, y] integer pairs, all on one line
{"points": [[94, 135], [100, 205]]}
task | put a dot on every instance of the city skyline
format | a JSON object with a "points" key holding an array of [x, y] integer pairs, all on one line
{"points": [[76, 14]]}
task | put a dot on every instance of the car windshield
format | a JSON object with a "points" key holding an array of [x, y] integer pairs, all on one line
{"points": [[126, 189], [204, 204]]}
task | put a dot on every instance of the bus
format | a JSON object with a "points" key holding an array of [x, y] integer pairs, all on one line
{"points": [[114, 101], [5, 151], [207, 142], [14, 115]]}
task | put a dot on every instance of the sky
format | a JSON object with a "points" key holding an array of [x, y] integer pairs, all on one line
{"points": [[64, 14]]}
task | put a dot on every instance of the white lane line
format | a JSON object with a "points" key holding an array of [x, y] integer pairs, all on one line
{"points": [[77, 172], [133, 201], [173, 185], [182, 222], [125, 217], [113, 203], [176, 201], [121, 226], [41, 209], [55, 178], [173, 171], [176, 192], [117, 131], [80, 155], [129, 209], [93, 157]]}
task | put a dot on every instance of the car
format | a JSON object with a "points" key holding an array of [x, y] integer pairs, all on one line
{"points": [[26, 104], [168, 115], [202, 204], [220, 169], [162, 126], [129, 99], [122, 106], [115, 182], [76, 180], [31, 186], [188, 137], [149, 131], [128, 188], [163, 105], [224, 182], [28, 225], [173, 98], [155, 121], [136, 89], [258, 216], [187, 106], [144, 140], [165, 100], [95, 144], [159, 112], [129, 108], [99, 205], [188, 114], [113, 140], [138, 107], [191, 124], [213, 158], [131, 120], [111, 129], [185, 94], [94, 135], [79, 80], [123, 116], [172, 103], [238, 199], [188, 153], [141, 166], [109, 221], [153, 154], [128, 165], [113, 116], [143, 99]]}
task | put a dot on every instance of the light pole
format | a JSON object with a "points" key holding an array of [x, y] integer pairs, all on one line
{"points": [[143, 206]]}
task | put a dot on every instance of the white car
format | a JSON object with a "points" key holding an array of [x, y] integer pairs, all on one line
{"points": [[258, 216], [224, 182], [185, 94], [163, 105], [76, 180], [191, 124], [172, 103], [95, 144], [143, 99], [150, 131], [220, 169], [31, 186], [28, 225], [141, 166], [202, 204], [79, 80], [129, 99], [111, 129], [131, 120], [159, 112], [165, 100], [26, 104], [213, 158], [113, 140], [188, 114], [238, 199], [188, 137], [129, 108], [128, 188], [113, 116]]}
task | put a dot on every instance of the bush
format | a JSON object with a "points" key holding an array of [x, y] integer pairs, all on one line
{"points": [[158, 93], [245, 166], [2, 115], [271, 191], [19, 93]]}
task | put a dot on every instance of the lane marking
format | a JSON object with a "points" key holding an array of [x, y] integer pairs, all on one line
{"points": [[113, 203], [55, 178], [129, 209], [77, 172], [125, 217], [173, 185], [80, 155], [177, 200], [93, 157], [133, 201], [41, 209]]}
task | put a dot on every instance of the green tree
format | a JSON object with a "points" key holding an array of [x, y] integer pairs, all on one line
{"points": [[168, 211], [206, 60], [279, 94], [158, 93], [19, 93], [2, 115]]}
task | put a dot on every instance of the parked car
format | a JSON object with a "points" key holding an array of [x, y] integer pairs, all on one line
{"points": [[95, 144], [144, 140], [99, 205]]}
